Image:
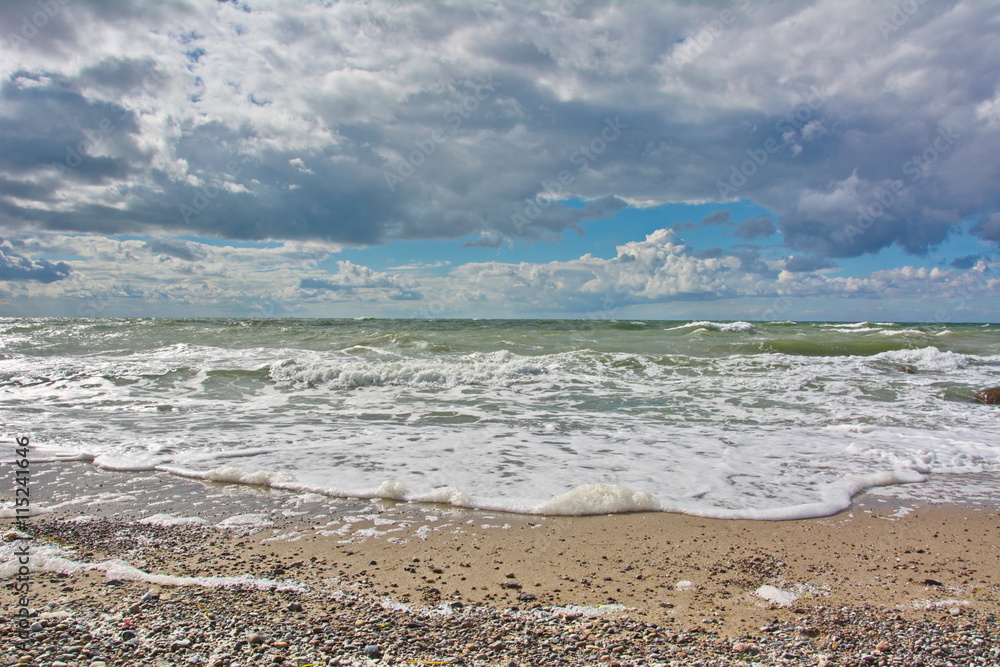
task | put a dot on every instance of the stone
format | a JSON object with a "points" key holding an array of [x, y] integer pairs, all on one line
{"points": [[372, 651], [990, 396], [253, 639]]}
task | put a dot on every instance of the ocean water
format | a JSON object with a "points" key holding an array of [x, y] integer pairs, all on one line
{"points": [[724, 419]]}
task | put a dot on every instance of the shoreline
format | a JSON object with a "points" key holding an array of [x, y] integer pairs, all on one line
{"points": [[890, 580], [81, 486], [123, 559]]}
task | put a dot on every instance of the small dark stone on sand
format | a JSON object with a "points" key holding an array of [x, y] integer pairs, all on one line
{"points": [[373, 651]]}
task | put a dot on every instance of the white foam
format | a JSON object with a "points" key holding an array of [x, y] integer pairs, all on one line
{"points": [[576, 610], [126, 462], [500, 369], [10, 512], [928, 359], [599, 499], [245, 521], [727, 327], [776, 595], [171, 520], [51, 557]]}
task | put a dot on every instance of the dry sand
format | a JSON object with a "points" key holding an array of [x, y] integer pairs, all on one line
{"points": [[926, 558]]}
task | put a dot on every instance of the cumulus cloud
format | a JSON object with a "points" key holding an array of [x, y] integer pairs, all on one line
{"points": [[358, 124], [359, 282], [16, 267]]}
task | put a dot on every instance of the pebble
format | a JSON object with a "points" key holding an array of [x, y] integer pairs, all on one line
{"points": [[354, 627]]}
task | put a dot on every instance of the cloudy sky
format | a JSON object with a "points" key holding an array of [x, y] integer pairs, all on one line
{"points": [[730, 160]]}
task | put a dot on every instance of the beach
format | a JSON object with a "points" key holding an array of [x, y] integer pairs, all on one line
{"points": [[389, 492], [225, 575]]}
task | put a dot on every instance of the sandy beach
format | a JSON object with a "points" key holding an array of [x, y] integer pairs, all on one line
{"points": [[389, 583]]}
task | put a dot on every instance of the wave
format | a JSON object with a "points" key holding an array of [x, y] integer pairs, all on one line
{"points": [[500, 368], [583, 500], [843, 348], [726, 327]]}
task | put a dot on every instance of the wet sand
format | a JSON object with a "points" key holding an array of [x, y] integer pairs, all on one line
{"points": [[341, 582]]}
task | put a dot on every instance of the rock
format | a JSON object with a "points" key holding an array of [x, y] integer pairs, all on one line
{"points": [[989, 396], [372, 651], [294, 606], [741, 647], [883, 647], [253, 639], [527, 597]]}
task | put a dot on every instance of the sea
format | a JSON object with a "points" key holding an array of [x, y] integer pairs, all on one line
{"points": [[733, 420]]}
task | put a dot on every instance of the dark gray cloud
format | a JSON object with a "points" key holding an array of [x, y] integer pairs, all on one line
{"points": [[801, 264], [722, 217], [755, 228], [14, 267], [359, 124], [966, 262], [164, 245], [988, 227]]}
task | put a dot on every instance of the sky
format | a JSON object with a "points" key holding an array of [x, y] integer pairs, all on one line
{"points": [[733, 160]]}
